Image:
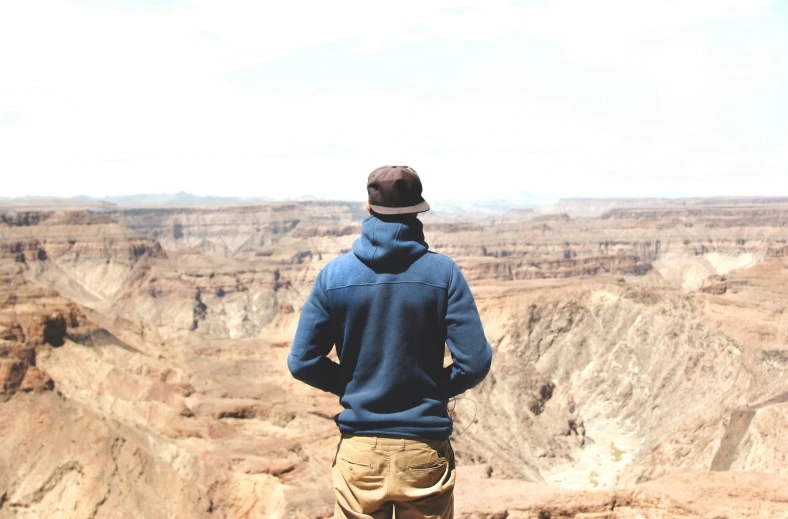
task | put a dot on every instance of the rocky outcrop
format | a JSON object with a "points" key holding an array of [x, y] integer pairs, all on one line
{"points": [[510, 269], [710, 216], [23, 250], [226, 231], [683, 494], [619, 358], [714, 285], [32, 318], [84, 256]]}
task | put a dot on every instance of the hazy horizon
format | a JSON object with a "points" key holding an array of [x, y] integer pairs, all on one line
{"points": [[496, 204]]}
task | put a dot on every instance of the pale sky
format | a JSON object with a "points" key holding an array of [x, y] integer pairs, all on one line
{"points": [[483, 99]]}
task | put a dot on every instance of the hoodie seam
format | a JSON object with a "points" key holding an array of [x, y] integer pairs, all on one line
{"points": [[396, 239], [372, 240], [387, 283]]}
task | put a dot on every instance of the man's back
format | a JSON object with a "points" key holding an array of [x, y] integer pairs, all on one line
{"points": [[393, 306]]}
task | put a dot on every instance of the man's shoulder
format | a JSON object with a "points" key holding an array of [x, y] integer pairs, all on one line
{"points": [[346, 258], [341, 264], [439, 259]]}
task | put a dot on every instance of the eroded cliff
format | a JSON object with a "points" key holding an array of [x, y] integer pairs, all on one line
{"points": [[144, 350]]}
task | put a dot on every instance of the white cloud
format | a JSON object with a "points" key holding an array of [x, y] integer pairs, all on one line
{"points": [[109, 101]]}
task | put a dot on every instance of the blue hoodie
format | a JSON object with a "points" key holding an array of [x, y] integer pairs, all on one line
{"points": [[391, 306]]}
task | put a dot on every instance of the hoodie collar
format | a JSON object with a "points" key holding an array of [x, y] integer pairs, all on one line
{"points": [[385, 242]]}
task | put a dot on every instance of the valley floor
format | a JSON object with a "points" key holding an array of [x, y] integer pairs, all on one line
{"points": [[640, 363]]}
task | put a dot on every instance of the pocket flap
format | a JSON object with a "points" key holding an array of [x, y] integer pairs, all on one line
{"points": [[429, 465], [354, 462]]}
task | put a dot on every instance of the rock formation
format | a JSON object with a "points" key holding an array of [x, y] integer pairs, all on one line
{"points": [[639, 371]]}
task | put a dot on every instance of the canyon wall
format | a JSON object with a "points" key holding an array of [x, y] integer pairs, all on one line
{"points": [[144, 352]]}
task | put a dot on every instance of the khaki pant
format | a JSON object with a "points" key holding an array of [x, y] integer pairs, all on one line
{"points": [[375, 478]]}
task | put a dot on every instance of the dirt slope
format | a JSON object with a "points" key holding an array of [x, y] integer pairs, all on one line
{"points": [[142, 362]]}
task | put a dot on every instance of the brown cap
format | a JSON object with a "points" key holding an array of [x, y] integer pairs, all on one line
{"points": [[395, 190]]}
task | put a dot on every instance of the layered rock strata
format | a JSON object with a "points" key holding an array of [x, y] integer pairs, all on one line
{"points": [[153, 343]]}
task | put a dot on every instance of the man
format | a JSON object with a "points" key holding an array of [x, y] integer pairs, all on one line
{"points": [[391, 306]]}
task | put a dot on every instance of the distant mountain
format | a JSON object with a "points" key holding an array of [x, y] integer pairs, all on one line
{"points": [[449, 209], [462, 209], [594, 207], [484, 208], [181, 198]]}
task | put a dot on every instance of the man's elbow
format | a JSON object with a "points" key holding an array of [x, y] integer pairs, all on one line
{"points": [[481, 365], [297, 367], [485, 362]]}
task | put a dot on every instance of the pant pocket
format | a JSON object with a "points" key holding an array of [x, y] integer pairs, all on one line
{"points": [[362, 469], [353, 469], [427, 467]]}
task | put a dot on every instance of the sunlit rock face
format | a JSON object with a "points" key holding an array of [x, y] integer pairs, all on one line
{"points": [[639, 371]]}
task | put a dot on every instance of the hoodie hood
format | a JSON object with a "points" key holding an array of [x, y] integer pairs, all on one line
{"points": [[386, 243]]}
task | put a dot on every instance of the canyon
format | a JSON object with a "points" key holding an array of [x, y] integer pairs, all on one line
{"points": [[640, 359]]}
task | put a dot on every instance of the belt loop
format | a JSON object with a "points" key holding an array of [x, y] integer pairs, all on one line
{"points": [[402, 440], [375, 443]]}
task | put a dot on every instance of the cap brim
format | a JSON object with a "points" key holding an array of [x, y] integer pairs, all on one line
{"points": [[418, 208]]}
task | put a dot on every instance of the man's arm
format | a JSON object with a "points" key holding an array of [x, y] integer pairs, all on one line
{"points": [[469, 349], [313, 340]]}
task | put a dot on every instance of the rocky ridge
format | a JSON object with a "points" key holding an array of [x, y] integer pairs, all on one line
{"points": [[159, 361]]}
